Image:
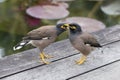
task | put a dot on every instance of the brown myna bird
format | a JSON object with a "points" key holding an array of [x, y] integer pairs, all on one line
{"points": [[41, 38], [79, 40]]}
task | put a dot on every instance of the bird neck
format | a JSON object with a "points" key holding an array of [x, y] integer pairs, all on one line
{"points": [[73, 36], [75, 32]]}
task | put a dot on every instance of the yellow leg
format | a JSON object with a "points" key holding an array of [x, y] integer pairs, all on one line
{"points": [[47, 56], [81, 60], [42, 56]]}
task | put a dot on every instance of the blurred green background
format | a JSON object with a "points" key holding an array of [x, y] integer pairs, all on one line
{"points": [[15, 23]]}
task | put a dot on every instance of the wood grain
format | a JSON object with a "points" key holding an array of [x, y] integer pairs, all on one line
{"points": [[28, 62]]}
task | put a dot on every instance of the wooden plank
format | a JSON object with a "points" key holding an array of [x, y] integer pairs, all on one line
{"points": [[60, 50], [108, 35], [29, 59], [66, 68], [110, 72]]}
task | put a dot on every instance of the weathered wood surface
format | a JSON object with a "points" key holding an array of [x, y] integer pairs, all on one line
{"points": [[27, 66], [66, 68], [109, 72]]}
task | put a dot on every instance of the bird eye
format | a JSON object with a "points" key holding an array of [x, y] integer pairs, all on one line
{"points": [[65, 26]]}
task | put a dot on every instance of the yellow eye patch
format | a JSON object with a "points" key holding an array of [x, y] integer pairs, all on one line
{"points": [[73, 27], [62, 27], [65, 26]]}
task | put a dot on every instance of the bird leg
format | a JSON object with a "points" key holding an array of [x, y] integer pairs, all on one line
{"points": [[81, 60], [47, 56], [42, 56]]}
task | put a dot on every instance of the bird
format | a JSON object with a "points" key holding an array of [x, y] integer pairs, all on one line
{"points": [[80, 39], [41, 38]]}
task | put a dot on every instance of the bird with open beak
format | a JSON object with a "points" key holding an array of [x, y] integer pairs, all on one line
{"points": [[41, 38], [79, 40]]}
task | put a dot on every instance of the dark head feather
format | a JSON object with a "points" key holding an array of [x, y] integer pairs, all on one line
{"points": [[61, 27], [75, 28]]}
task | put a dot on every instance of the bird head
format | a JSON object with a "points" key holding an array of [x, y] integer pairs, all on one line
{"points": [[75, 28], [61, 27]]}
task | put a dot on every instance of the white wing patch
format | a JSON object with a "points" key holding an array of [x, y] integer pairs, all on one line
{"points": [[19, 47], [22, 43], [45, 38]]}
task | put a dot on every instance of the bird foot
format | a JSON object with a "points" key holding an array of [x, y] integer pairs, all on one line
{"points": [[45, 62], [81, 60], [42, 56], [47, 56]]}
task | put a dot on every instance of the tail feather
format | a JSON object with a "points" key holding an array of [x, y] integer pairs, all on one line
{"points": [[21, 44]]}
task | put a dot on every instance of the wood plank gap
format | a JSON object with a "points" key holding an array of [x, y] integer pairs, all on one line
{"points": [[37, 66], [61, 59], [93, 69], [107, 36], [110, 43]]}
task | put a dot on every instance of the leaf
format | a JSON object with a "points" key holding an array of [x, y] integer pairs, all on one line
{"points": [[47, 12], [112, 8]]}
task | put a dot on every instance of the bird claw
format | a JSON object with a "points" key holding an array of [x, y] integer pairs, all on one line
{"points": [[45, 62], [47, 56], [43, 56], [81, 60]]}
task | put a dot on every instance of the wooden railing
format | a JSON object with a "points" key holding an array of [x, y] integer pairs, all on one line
{"points": [[101, 64]]}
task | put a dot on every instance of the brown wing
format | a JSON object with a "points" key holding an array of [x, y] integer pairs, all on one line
{"points": [[40, 33], [78, 43], [90, 39]]}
